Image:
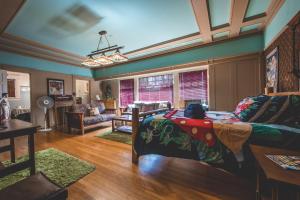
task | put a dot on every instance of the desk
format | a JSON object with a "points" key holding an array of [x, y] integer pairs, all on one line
{"points": [[274, 173], [17, 128]]}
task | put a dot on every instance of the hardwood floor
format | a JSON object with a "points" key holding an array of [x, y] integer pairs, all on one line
{"points": [[155, 177]]}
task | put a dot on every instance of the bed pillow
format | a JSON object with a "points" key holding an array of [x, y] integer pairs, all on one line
{"points": [[277, 106], [291, 115], [249, 106]]}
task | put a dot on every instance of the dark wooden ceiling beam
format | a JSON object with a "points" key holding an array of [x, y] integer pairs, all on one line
{"points": [[202, 17], [238, 13], [8, 9]]}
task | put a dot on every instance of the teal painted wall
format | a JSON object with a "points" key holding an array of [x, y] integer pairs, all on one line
{"points": [[44, 65], [288, 10], [230, 48]]}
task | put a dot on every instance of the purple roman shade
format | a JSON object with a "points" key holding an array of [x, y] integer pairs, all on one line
{"points": [[126, 92], [193, 85], [156, 88]]}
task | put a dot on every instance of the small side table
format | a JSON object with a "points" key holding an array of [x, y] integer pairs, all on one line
{"points": [[275, 174], [123, 119]]}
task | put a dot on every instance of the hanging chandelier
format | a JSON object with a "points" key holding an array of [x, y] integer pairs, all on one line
{"points": [[104, 56]]}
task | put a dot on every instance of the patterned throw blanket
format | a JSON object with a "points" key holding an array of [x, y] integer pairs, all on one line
{"points": [[207, 140]]}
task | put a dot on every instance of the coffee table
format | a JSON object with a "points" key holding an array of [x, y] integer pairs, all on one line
{"points": [[124, 127], [275, 174]]}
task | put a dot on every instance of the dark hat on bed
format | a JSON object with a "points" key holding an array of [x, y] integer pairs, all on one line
{"points": [[194, 111]]}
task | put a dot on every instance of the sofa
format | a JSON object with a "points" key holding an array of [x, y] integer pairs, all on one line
{"points": [[87, 116], [145, 106]]}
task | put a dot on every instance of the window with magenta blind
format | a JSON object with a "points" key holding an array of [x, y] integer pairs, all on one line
{"points": [[156, 88], [126, 92], [193, 85]]}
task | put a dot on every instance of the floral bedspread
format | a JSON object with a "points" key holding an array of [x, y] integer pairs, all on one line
{"points": [[208, 139]]}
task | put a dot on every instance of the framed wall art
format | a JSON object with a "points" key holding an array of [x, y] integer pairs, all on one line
{"points": [[55, 87], [272, 70]]}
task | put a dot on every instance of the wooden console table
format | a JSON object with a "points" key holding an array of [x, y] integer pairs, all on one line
{"points": [[275, 174], [16, 128]]}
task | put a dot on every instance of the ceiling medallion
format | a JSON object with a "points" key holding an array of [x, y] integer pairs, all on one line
{"points": [[105, 56]]}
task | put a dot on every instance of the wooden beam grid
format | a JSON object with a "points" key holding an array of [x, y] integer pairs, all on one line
{"points": [[202, 14]]}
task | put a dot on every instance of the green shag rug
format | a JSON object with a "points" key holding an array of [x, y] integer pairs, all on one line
{"points": [[116, 136], [62, 168]]}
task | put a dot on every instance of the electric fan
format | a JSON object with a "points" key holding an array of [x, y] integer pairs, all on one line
{"points": [[45, 103]]}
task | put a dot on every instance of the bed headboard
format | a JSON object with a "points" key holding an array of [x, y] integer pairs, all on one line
{"points": [[284, 93]]}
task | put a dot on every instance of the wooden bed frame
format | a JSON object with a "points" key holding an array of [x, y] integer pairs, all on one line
{"points": [[136, 116], [283, 93]]}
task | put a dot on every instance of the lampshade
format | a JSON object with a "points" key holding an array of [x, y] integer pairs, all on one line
{"points": [[117, 57], [90, 63], [102, 59]]}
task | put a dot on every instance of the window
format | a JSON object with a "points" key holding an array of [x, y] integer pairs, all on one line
{"points": [[193, 85], [126, 92], [11, 87], [156, 88]]}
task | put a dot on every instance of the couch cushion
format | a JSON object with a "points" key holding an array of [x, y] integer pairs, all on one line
{"points": [[83, 108], [94, 111], [97, 119], [99, 104], [101, 107], [148, 107]]}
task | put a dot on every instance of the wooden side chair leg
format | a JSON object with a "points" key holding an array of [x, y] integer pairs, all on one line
{"points": [[12, 150]]}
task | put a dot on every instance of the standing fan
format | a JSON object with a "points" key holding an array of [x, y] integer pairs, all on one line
{"points": [[45, 103]]}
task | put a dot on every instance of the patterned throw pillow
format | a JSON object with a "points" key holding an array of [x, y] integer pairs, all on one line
{"points": [[101, 107], [277, 105], [291, 116], [94, 111], [249, 106]]}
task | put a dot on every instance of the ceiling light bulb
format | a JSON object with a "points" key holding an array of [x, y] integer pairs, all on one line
{"points": [[90, 63], [102, 59], [118, 57]]}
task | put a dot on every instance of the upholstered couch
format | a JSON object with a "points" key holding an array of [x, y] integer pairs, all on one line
{"points": [[145, 106], [82, 118]]}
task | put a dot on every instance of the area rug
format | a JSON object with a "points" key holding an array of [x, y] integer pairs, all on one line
{"points": [[116, 136], [62, 168]]}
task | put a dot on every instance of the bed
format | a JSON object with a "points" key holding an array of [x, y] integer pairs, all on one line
{"points": [[214, 138]]}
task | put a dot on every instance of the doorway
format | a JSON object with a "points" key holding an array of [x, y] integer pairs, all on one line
{"points": [[17, 87], [82, 91]]}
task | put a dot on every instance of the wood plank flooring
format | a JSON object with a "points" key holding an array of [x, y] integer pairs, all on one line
{"points": [[156, 177]]}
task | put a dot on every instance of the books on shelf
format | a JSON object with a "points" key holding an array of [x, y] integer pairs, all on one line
{"points": [[286, 162]]}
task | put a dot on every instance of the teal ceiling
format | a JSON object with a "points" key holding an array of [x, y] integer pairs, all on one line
{"points": [[72, 25], [257, 7], [219, 11], [180, 44]]}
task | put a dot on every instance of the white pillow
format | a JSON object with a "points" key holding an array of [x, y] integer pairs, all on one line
{"points": [[94, 111]]}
